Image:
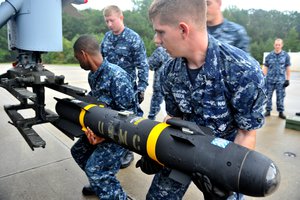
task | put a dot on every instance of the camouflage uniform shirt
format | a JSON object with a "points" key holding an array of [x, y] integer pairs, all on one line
{"points": [[277, 64], [127, 50], [158, 58], [110, 84], [231, 33], [157, 61], [228, 94]]}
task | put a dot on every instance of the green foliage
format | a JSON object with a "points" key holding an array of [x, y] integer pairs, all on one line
{"points": [[150, 46], [262, 27], [292, 41], [141, 6], [5, 54], [138, 21], [67, 56], [259, 47]]}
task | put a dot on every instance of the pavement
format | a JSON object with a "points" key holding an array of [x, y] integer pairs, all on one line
{"points": [[50, 173]]}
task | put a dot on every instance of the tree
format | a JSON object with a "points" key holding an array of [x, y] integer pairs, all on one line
{"points": [[292, 41], [138, 21], [141, 6], [5, 54], [262, 27]]}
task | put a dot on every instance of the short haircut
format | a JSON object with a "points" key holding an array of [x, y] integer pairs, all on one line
{"points": [[171, 12], [88, 44], [109, 10], [279, 40]]}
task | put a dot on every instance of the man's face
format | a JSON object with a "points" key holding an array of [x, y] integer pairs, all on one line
{"points": [[83, 61], [213, 8], [278, 46], [114, 22], [167, 37]]}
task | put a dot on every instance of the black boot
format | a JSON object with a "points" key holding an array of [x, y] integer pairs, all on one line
{"points": [[127, 159], [298, 114], [281, 115], [267, 113], [88, 191], [129, 198]]}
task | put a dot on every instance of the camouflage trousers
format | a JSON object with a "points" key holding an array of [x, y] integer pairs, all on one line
{"points": [[280, 94], [100, 163], [157, 96], [156, 100], [165, 188]]}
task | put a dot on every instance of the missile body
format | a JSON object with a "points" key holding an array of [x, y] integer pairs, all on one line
{"points": [[225, 163]]}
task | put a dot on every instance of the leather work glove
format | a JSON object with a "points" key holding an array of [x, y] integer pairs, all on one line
{"points": [[209, 190], [141, 96], [286, 83], [148, 166]]}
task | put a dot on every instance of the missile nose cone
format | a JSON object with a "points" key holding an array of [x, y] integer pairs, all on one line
{"points": [[272, 179]]}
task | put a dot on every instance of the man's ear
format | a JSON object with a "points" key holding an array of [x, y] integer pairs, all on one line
{"points": [[184, 29], [84, 54]]}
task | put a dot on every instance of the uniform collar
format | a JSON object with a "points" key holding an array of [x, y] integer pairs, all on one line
{"points": [[212, 60], [100, 69]]}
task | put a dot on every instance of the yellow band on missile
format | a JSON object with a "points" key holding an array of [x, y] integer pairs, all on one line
{"points": [[82, 114], [138, 121], [152, 139]]}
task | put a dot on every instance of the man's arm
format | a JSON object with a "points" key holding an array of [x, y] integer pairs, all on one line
{"points": [[244, 41], [288, 73], [92, 137], [122, 92], [265, 70], [249, 101], [266, 64], [155, 60], [288, 67], [246, 138], [141, 61]]}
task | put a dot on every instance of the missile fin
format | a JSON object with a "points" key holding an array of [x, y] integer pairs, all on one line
{"points": [[180, 177], [189, 127], [183, 139]]}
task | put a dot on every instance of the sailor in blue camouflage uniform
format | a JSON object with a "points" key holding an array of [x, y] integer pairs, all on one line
{"points": [[157, 62], [110, 84], [277, 70], [209, 82], [223, 29], [125, 48]]}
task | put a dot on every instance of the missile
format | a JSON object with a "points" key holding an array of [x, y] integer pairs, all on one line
{"points": [[178, 145]]}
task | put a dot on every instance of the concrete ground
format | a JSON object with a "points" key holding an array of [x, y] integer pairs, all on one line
{"points": [[51, 173]]}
